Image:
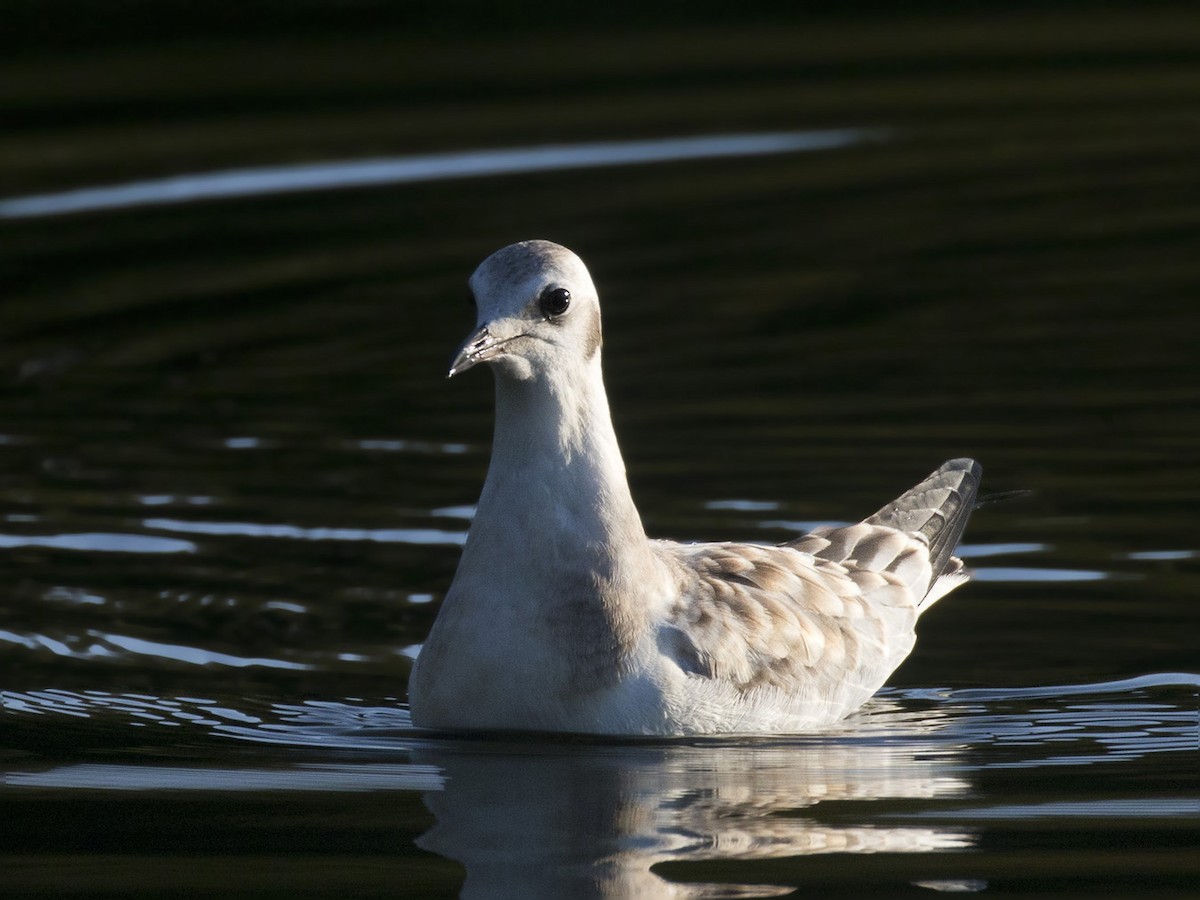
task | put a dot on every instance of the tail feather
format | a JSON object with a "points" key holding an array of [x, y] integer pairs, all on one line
{"points": [[938, 508]]}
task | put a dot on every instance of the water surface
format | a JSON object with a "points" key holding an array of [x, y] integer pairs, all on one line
{"points": [[235, 482]]}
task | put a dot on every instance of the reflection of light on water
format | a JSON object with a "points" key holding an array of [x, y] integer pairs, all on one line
{"points": [[953, 885], [542, 817], [1108, 808], [434, 167], [243, 443], [55, 646], [193, 655], [408, 446], [296, 532], [99, 645], [99, 542], [1019, 573], [1162, 555], [303, 777], [286, 606], [168, 499], [455, 512], [742, 505], [519, 819], [77, 596], [974, 551]]}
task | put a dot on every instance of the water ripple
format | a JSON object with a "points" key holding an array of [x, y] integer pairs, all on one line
{"points": [[1123, 807], [192, 655], [435, 167], [304, 777], [1012, 574], [422, 536], [1038, 726], [99, 542]]}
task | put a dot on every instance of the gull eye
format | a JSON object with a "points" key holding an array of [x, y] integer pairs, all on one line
{"points": [[554, 301]]}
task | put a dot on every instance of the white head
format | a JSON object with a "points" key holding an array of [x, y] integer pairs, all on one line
{"points": [[537, 312]]}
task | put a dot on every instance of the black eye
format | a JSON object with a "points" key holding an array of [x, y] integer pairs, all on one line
{"points": [[554, 301], [471, 297]]}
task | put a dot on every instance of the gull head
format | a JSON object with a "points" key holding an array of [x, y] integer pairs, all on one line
{"points": [[537, 312]]}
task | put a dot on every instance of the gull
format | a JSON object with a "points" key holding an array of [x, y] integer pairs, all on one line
{"points": [[563, 616]]}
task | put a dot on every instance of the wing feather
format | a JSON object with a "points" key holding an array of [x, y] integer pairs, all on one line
{"points": [[826, 618], [775, 617]]}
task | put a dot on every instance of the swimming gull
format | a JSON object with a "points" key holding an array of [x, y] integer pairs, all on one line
{"points": [[564, 616]]}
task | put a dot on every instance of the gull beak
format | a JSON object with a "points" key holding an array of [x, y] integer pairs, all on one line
{"points": [[480, 346]]}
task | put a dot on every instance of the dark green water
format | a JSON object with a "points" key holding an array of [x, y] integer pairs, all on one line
{"points": [[234, 480]]}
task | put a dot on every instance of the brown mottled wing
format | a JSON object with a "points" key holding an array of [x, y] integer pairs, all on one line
{"points": [[775, 617], [827, 617]]}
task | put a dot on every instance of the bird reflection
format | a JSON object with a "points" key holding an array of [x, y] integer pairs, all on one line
{"points": [[530, 819]]}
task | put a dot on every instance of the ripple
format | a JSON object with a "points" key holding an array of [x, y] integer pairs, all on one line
{"points": [[1015, 574], [313, 723], [1120, 686], [98, 645], [1162, 555], [99, 542], [61, 648], [244, 443], [171, 499], [641, 803], [743, 505], [1122, 807], [420, 536], [408, 446], [455, 512], [975, 551], [74, 596], [408, 169], [1021, 727], [192, 655], [304, 777], [799, 526], [1032, 728]]}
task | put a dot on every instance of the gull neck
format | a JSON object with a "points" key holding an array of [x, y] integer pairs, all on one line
{"points": [[556, 472]]}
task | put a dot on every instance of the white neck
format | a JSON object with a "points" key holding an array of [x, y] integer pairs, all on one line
{"points": [[556, 486]]}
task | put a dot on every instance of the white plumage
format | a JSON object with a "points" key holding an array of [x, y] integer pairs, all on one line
{"points": [[563, 616]]}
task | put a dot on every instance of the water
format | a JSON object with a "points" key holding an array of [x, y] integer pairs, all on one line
{"points": [[235, 481]]}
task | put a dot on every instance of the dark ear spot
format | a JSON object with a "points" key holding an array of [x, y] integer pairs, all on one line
{"points": [[593, 339]]}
